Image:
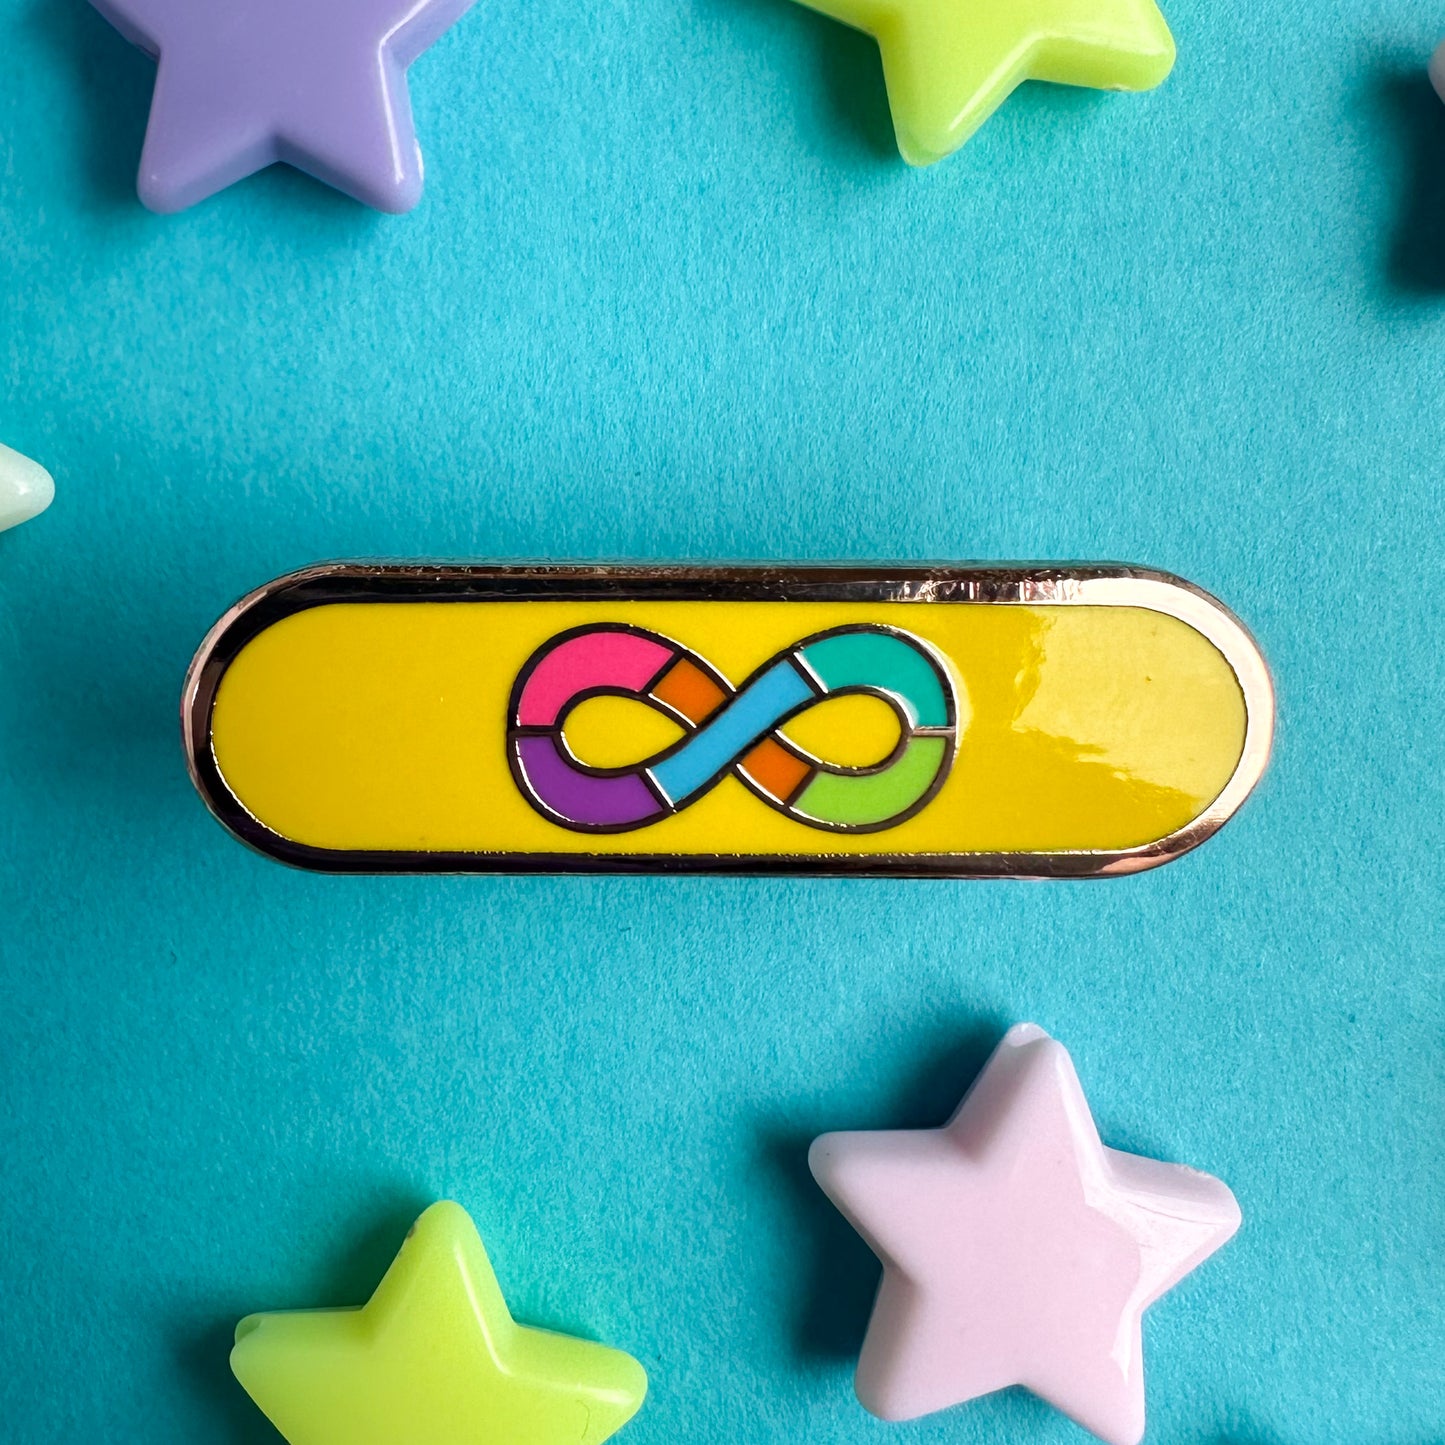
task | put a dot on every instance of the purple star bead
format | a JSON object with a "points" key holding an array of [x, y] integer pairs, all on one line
{"points": [[319, 84]]}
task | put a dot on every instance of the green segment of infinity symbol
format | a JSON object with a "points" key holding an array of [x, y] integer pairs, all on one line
{"points": [[854, 801]]}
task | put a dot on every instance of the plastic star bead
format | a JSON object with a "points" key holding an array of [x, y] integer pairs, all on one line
{"points": [[434, 1358], [1016, 1248], [319, 84], [26, 489], [949, 64]]}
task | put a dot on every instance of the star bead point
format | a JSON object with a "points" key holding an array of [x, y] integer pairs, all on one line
{"points": [[26, 488], [1017, 1248]]}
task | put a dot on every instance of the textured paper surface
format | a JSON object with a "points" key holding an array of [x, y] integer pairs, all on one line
{"points": [[671, 293]]}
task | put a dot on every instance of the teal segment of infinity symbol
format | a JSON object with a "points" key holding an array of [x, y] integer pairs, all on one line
{"points": [[882, 662], [629, 662]]}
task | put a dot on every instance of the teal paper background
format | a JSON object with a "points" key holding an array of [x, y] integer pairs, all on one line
{"points": [[671, 294]]}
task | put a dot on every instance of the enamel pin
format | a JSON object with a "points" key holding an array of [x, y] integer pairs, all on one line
{"points": [[905, 721]]}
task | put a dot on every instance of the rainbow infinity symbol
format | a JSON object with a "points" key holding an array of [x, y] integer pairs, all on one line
{"points": [[729, 729]]}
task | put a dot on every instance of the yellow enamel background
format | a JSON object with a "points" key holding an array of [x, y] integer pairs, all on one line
{"points": [[382, 726]]}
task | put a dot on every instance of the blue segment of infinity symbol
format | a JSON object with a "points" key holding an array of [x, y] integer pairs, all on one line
{"points": [[752, 714]]}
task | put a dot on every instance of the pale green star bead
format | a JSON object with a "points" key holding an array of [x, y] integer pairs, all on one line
{"points": [[26, 489]]}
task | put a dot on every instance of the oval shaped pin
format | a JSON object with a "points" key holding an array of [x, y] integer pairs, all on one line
{"points": [[1008, 721]]}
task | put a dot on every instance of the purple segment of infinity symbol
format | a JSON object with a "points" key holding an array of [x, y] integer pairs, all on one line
{"points": [[621, 799]]}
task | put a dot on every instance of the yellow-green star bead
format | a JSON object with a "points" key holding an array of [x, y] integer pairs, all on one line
{"points": [[434, 1358], [949, 64]]}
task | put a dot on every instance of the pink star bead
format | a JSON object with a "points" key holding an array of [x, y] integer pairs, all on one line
{"points": [[1016, 1248]]}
